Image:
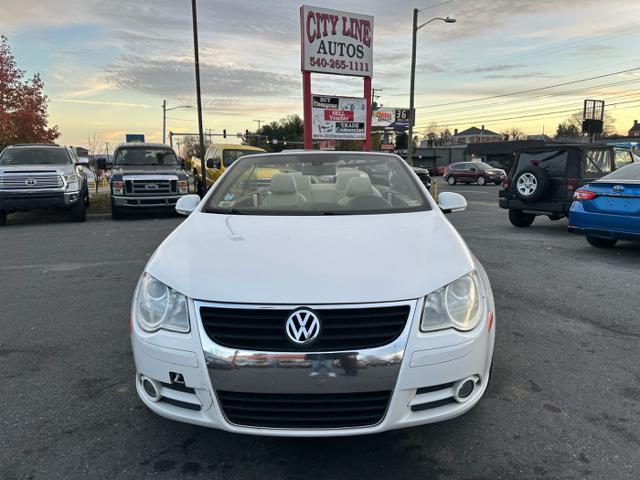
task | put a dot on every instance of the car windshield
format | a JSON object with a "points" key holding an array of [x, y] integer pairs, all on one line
{"points": [[317, 184], [145, 156], [230, 156], [35, 156], [629, 172]]}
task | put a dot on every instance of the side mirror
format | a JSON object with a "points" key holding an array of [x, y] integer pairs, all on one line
{"points": [[187, 204], [210, 163], [451, 202], [84, 161]]}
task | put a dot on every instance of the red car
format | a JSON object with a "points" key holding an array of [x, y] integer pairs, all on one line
{"points": [[472, 172]]}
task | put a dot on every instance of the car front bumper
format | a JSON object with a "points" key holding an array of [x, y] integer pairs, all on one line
{"points": [[23, 201], [422, 371], [140, 202]]}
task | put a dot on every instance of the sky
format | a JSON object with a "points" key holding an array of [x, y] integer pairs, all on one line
{"points": [[107, 66]]}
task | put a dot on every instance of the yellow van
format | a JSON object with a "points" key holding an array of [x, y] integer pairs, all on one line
{"points": [[219, 157]]}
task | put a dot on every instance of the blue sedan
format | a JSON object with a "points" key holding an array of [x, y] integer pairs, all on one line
{"points": [[608, 209]]}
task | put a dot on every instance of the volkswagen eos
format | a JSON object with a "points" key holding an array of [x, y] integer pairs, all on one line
{"points": [[314, 294]]}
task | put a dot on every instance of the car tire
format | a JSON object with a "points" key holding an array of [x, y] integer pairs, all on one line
{"points": [[482, 181], [601, 242], [116, 212], [3, 218], [520, 219], [451, 180], [79, 211], [87, 198], [530, 184]]}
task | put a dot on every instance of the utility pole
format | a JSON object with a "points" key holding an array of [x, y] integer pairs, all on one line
{"points": [[203, 165], [259, 122], [164, 121]]}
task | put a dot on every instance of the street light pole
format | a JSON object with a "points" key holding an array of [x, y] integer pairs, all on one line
{"points": [[203, 165], [412, 114], [164, 118]]}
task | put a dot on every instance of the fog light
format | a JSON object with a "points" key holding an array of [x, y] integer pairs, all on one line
{"points": [[151, 388], [465, 388]]}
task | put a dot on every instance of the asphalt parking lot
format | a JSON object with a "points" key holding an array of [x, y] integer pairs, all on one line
{"points": [[564, 401]]}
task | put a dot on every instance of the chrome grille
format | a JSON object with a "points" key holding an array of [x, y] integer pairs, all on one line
{"points": [[30, 181], [151, 187]]}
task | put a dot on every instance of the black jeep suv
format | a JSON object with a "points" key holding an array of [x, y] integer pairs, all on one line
{"points": [[542, 180]]}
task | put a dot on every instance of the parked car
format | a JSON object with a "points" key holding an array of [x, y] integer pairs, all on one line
{"points": [[473, 172], [218, 159], [42, 176], [423, 175], [146, 176], [300, 278], [440, 171], [543, 180], [608, 209]]}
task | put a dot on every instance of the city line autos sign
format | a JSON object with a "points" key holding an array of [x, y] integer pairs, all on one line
{"points": [[338, 118], [336, 42]]}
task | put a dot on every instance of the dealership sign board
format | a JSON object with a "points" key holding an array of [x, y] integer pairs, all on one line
{"points": [[391, 118], [336, 42], [338, 118]]}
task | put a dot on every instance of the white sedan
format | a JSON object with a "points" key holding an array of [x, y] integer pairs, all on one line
{"points": [[314, 294]]}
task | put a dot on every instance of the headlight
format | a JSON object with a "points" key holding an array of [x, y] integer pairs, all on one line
{"points": [[458, 305], [118, 187], [71, 177], [160, 307]]}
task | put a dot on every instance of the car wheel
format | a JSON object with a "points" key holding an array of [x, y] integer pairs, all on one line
{"points": [[531, 183], [87, 198], [601, 242], [482, 181], [520, 219], [79, 211], [451, 180], [116, 213], [3, 218]]}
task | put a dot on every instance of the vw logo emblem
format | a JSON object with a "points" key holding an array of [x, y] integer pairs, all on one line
{"points": [[31, 181], [151, 186], [302, 327], [618, 189]]}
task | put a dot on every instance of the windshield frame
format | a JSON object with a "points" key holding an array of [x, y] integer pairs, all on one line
{"points": [[168, 150], [208, 207]]}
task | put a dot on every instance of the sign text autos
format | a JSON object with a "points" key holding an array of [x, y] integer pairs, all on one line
{"points": [[336, 42]]}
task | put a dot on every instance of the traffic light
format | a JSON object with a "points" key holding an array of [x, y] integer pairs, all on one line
{"points": [[224, 133]]}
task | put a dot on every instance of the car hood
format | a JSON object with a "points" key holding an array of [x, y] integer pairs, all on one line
{"points": [[306, 260], [147, 170], [67, 168]]}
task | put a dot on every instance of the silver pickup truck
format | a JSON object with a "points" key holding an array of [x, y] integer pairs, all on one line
{"points": [[42, 176], [146, 176]]}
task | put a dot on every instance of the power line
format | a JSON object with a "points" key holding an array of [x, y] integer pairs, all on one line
{"points": [[591, 89], [543, 107], [573, 110], [532, 89]]}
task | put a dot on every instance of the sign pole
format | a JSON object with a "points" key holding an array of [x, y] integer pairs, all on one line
{"points": [[367, 125], [308, 121]]}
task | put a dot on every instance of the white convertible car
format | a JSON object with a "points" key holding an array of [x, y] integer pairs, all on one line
{"points": [[314, 294]]}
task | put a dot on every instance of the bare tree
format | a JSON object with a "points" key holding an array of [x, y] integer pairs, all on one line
{"points": [[93, 144]]}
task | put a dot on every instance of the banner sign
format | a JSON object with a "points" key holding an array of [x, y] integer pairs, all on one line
{"points": [[134, 137], [336, 42], [338, 118], [391, 118]]}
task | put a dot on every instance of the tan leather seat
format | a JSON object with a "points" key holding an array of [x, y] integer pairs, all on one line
{"points": [[283, 193]]}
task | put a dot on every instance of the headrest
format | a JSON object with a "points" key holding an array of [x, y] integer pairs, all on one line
{"points": [[343, 177], [359, 186], [283, 183], [303, 182]]}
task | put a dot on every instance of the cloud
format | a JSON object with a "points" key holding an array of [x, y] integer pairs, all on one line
{"points": [[99, 102], [176, 79], [495, 68]]}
